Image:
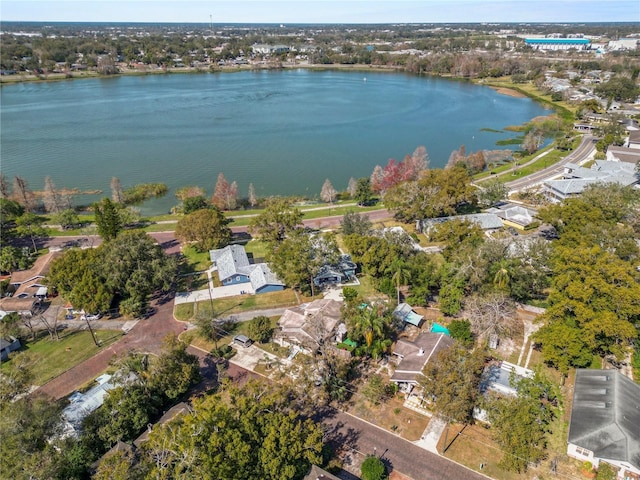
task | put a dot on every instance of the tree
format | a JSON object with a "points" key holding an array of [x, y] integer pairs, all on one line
{"points": [[91, 293], [117, 196], [401, 274], [134, 266], [53, 201], [375, 389], [278, 219], [175, 370], [253, 431], [370, 325], [260, 329], [108, 220], [189, 191], [127, 412], [299, 257], [563, 346], [451, 381], [224, 194], [30, 225], [353, 222], [67, 218], [207, 229], [492, 192], [14, 258], [364, 193], [494, 313], [373, 469], [17, 376], [23, 195], [532, 141], [520, 424], [328, 193], [191, 204], [436, 193], [352, 187], [10, 210], [460, 330], [253, 200]]}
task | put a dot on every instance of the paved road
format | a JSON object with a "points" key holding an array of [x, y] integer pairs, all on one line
{"points": [[584, 150], [351, 433]]}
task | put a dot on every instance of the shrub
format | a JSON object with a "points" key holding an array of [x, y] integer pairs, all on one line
{"points": [[373, 469]]}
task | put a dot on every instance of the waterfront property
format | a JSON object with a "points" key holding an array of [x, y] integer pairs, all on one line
{"points": [[233, 267]]}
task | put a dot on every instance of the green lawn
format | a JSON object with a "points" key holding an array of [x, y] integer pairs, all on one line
{"points": [[53, 358], [240, 303]]}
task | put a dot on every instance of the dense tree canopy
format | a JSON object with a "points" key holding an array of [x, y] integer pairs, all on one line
{"points": [[436, 193], [242, 433], [278, 219], [206, 228]]}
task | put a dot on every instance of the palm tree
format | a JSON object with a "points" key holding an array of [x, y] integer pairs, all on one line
{"points": [[401, 275], [370, 324], [502, 277]]}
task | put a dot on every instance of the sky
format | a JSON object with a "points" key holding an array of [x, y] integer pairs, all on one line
{"points": [[321, 11]]}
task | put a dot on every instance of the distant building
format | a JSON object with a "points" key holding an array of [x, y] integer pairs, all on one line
{"points": [[557, 43], [265, 49], [576, 178], [486, 221]]}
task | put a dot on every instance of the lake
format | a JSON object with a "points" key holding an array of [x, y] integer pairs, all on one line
{"points": [[284, 131]]}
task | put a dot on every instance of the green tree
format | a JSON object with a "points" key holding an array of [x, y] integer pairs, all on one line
{"points": [[278, 219], [207, 229], [13, 258], [240, 433], [260, 329], [175, 369], [520, 424], [373, 469], [492, 192], [30, 225], [451, 381], [67, 219], [563, 346], [460, 330], [353, 222], [401, 274], [370, 325], [436, 193], [91, 294], [191, 204], [134, 266], [108, 220], [127, 412], [10, 210], [363, 194]]}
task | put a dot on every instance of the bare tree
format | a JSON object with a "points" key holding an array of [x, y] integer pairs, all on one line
{"points": [[29, 322], [494, 313], [23, 195], [252, 196], [231, 201], [51, 323], [328, 193], [53, 202], [116, 191], [352, 187], [4, 186]]}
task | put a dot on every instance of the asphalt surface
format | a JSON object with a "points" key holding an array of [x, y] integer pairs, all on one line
{"points": [[360, 438], [584, 150]]}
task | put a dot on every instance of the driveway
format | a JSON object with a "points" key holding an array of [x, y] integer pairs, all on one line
{"points": [[249, 357]]}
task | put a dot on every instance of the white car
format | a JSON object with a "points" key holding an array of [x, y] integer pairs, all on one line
{"points": [[91, 316]]}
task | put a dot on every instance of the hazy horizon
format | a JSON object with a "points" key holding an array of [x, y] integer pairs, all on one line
{"points": [[321, 11]]}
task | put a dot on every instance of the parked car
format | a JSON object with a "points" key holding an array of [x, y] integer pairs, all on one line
{"points": [[242, 340], [91, 316]]}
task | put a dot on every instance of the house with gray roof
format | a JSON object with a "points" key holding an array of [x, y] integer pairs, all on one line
{"points": [[234, 267], [404, 313], [82, 404], [486, 221], [605, 421], [8, 345], [412, 356], [516, 216], [310, 324], [576, 178]]}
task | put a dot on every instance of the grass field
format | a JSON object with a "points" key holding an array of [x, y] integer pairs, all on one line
{"points": [[52, 357]]}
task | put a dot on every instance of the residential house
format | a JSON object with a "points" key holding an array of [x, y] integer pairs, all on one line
{"points": [[605, 421], [404, 313], [26, 306], [515, 216], [82, 404], [7, 346], [576, 178], [233, 267], [634, 140], [342, 272], [486, 221], [412, 356], [317, 473], [309, 325], [623, 154]]}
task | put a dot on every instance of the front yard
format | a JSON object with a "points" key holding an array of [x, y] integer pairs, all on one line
{"points": [[53, 357]]}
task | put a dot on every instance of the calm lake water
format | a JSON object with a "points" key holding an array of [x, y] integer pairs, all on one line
{"points": [[284, 131]]}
